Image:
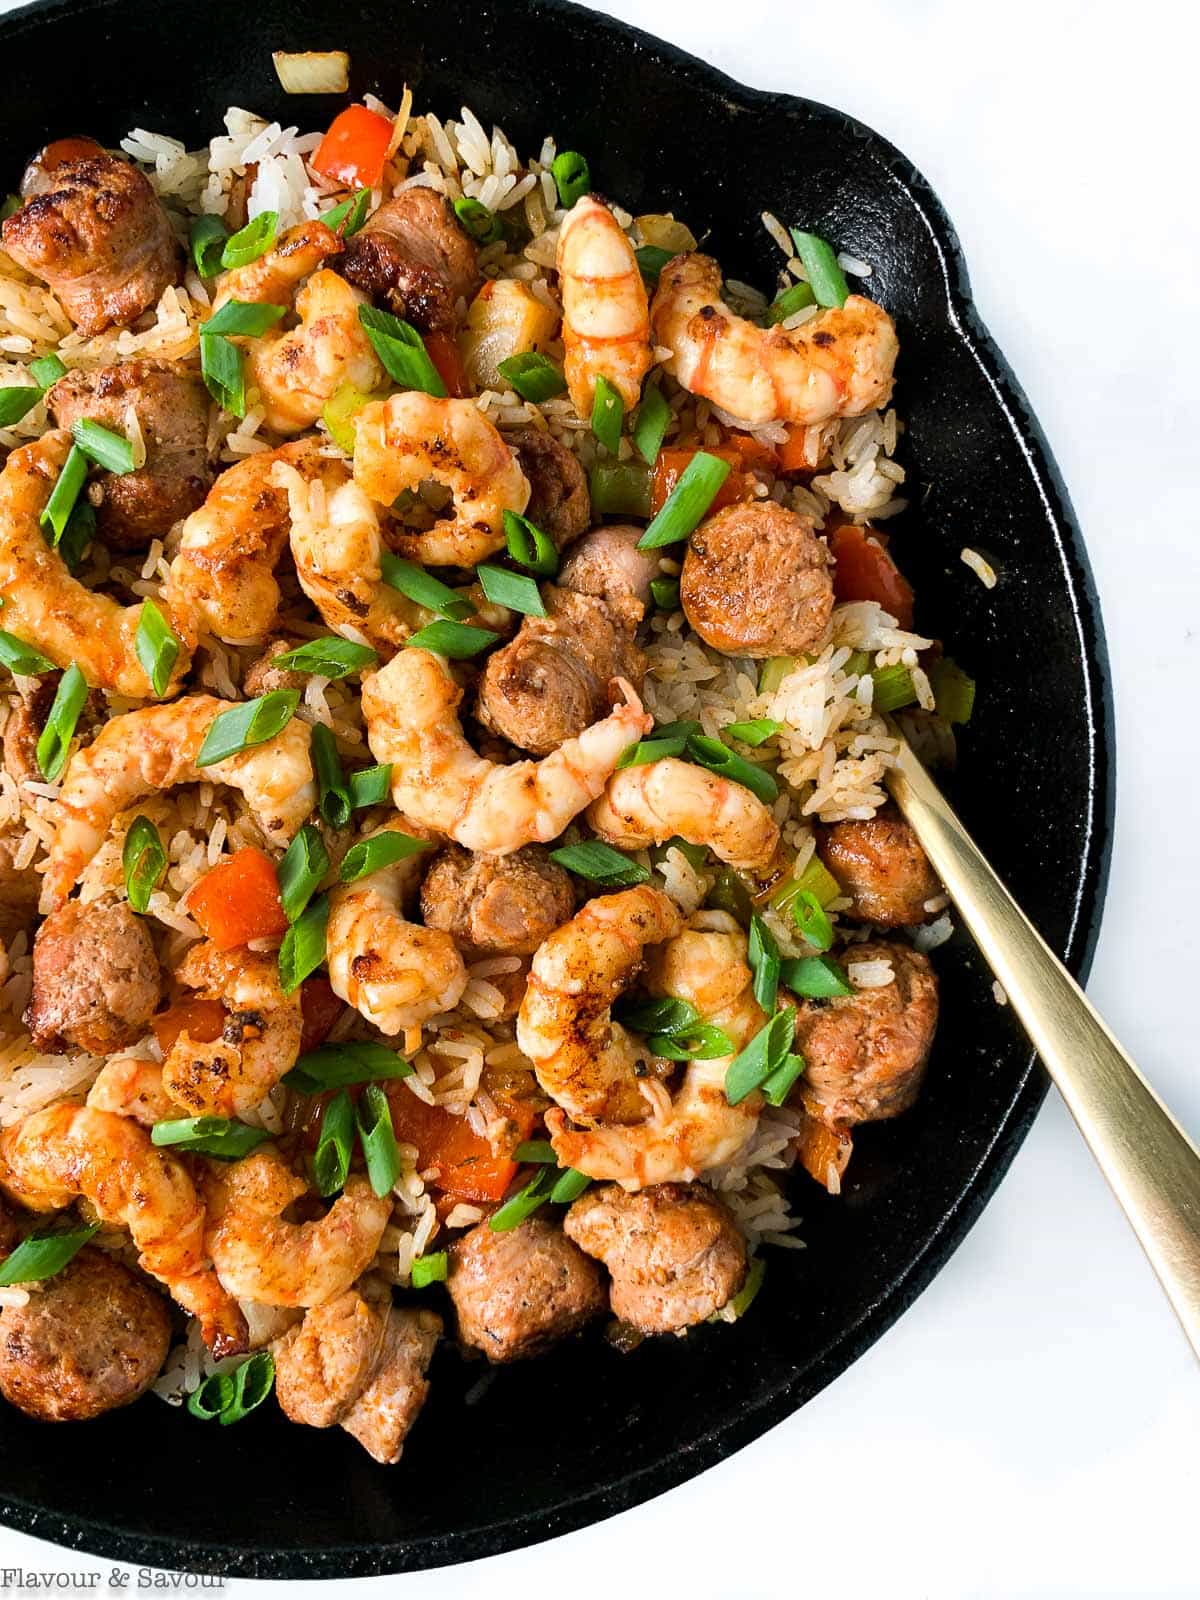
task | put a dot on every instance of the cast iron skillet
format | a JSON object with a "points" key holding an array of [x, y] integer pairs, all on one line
{"points": [[570, 1439]]}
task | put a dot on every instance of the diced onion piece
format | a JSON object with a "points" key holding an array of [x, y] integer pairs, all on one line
{"points": [[505, 319], [312, 71], [400, 126], [666, 232]]}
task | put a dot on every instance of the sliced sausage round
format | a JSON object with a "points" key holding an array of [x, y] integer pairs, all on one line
{"points": [[517, 1293], [559, 502], [96, 978], [880, 865], [497, 905], [414, 258]]}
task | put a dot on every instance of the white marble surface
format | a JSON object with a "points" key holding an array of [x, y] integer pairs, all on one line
{"points": [[1030, 1426]]}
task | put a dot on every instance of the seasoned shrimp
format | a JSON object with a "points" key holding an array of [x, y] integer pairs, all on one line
{"points": [[145, 751], [396, 973], [296, 373], [260, 1256], [259, 1043], [664, 799], [412, 438], [131, 1086], [69, 1150], [43, 603], [697, 1128], [606, 319], [411, 709], [223, 579], [585, 1060], [275, 276], [838, 364]]}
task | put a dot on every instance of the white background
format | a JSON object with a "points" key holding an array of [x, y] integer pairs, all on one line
{"points": [[1031, 1426]]}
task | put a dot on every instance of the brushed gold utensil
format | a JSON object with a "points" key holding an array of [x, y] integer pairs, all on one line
{"points": [[1151, 1165]]}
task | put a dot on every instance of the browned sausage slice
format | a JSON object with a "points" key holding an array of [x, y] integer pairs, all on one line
{"points": [[517, 1293]]}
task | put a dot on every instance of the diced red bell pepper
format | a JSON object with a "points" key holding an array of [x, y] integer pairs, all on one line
{"points": [[673, 462], [239, 901], [202, 1020], [462, 1161], [865, 571], [355, 149], [444, 353], [796, 454], [320, 1008]]}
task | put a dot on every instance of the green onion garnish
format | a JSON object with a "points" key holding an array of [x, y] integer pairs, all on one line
{"points": [[665, 593], [335, 1066], [620, 488], [683, 729], [332, 790], [371, 787], [754, 733], [22, 658], [718, 757], [480, 223], [953, 691], [664, 1014], [650, 429], [206, 240], [698, 486], [571, 176], [56, 736], [11, 205], [303, 947], [608, 415], [379, 851], [816, 879], [378, 1139], [107, 449], [305, 863], [210, 1136], [821, 268], [651, 259], [766, 1052], [224, 377], [330, 657], [246, 725], [893, 688], [65, 493], [537, 1152], [600, 863], [646, 751], [230, 1396], [156, 646], [402, 351], [529, 546], [772, 673], [16, 402], [777, 1085], [729, 893], [695, 855], [532, 375], [743, 1299], [433, 1268], [348, 216], [815, 978], [570, 1186], [456, 640], [331, 1159], [47, 370], [242, 318], [511, 589], [764, 960], [77, 535], [420, 586], [702, 1042], [789, 302], [809, 916], [143, 861], [43, 1254], [252, 241], [525, 1202]]}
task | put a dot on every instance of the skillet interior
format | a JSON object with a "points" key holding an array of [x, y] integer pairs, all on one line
{"points": [[573, 1438]]}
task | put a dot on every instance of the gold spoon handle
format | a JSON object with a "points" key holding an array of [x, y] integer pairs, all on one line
{"points": [[1151, 1165]]}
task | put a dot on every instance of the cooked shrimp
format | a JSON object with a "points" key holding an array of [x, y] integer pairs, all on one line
{"points": [[131, 1086], [297, 372], [411, 708], [838, 364], [69, 1150], [43, 603], [146, 751], [261, 1256], [274, 277], [697, 1129], [412, 438], [223, 579], [664, 799], [259, 1043], [585, 1060], [606, 320], [396, 973]]}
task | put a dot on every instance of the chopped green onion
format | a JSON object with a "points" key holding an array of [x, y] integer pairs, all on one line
{"points": [[511, 589], [77, 535], [893, 688], [821, 268], [17, 401], [571, 176], [953, 691], [433, 1268], [789, 302], [651, 259], [703, 1042], [569, 1186], [381, 850], [730, 894], [665, 593], [402, 351], [47, 370], [858, 662], [246, 725], [600, 863], [646, 751], [303, 947], [665, 1014], [696, 855], [304, 864], [620, 488], [214, 1395], [525, 1202], [22, 658], [687, 502], [348, 216], [756, 732], [420, 586], [252, 241], [206, 240], [608, 415], [210, 1136], [333, 794], [330, 657], [143, 861], [765, 1053], [772, 673], [815, 978], [764, 958], [156, 646], [56, 736], [778, 1085], [456, 640], [223, 374], [536, 1152], [227, 1397], [335, 1066], [372, 786], [683, 729], [340, 413], [335, 1142], [743, 1299], [718, 757], [650, 429], [529, 546], [12, 204], [43, 1254], [809, 916], [378, 1139], [532, 375], [65, 493], [242, 318], [107, 449], [816, 879], [480, 223]]}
